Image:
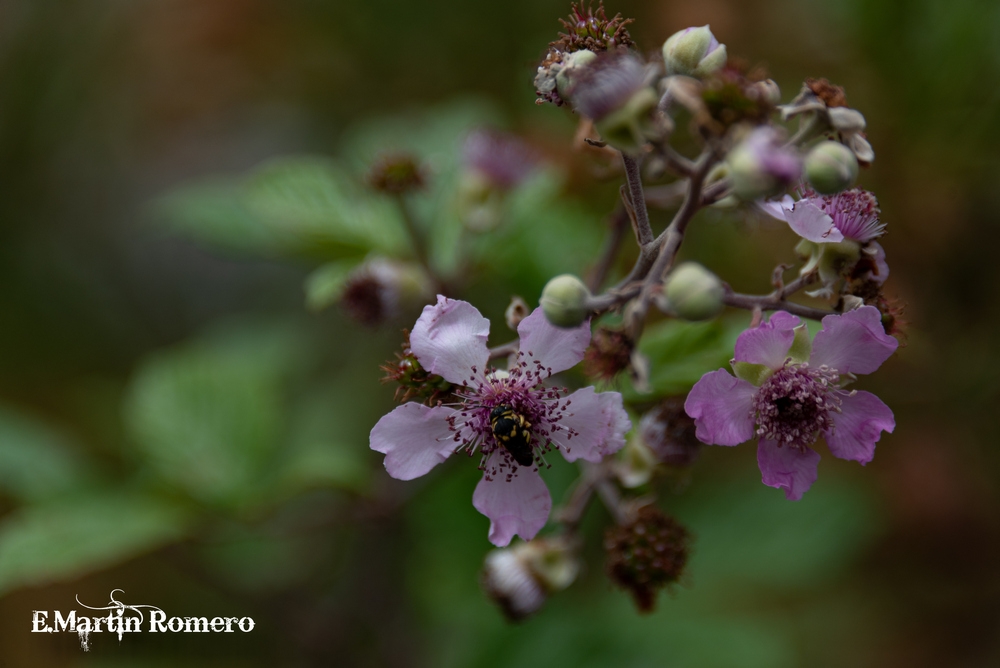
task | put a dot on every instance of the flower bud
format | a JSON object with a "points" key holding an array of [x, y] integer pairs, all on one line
{"points": [[831, 167], [613, 92], [635, 464], [760, 166], [516, 312], [693, 52], [564, 301], [511, 584], [380, 289], [521, 578], [693, 292]]}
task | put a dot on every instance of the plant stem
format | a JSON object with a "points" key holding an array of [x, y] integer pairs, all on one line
{"points": [[633, 177]]}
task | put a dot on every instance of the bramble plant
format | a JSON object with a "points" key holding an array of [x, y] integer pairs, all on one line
{"points": [[451, 206]]}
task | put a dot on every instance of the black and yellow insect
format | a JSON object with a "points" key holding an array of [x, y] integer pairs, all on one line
{"points": [[512, 431]]}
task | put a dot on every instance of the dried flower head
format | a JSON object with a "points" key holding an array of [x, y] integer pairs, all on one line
{"points": [[591, 29], [396, 174], [670, 433], [587, 30], [609, 353], [647, 554], [414, 381]]}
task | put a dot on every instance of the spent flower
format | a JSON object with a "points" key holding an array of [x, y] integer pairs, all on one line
{"points": [[509, 418]]}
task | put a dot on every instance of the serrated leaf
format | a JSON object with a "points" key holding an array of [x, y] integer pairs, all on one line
{"points": [[207, 416], [294, 206]]}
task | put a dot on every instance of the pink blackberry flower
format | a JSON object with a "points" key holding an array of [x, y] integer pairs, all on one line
{"points": [[510, 418], [788, 392], [849, 216], [852, 214]]}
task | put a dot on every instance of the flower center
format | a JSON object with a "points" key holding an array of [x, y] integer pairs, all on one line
{"points": [[794, 404], [512, 412]]}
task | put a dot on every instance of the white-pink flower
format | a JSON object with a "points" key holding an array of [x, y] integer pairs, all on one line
{"points": [[449, 339]]}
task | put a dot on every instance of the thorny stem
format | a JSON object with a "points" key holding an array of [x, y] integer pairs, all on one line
{"points": [[633, 177]]}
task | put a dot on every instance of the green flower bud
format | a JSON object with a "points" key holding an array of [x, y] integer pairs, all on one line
{"points": [[693, 292], [693, 52], [564, 301], [831, 167], [628, 128], [760, 166]]}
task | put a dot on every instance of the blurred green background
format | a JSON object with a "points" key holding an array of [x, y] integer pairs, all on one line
{"points": [[176, 423]]}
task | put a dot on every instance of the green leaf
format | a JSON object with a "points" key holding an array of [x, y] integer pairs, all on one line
{"points": [[36, 461], [681, 352], [208, 415], [542, 235], [434, 136], [294, 206], [326, 447], [72, 536]]}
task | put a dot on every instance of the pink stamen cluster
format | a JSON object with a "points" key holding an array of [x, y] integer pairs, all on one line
{"points": [[522, 389], [795, 404]]}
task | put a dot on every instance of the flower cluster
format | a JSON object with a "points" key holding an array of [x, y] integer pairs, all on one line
{"points": [[796, 162]]}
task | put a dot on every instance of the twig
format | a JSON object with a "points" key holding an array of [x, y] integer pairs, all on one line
{"points": [[633, 178]]}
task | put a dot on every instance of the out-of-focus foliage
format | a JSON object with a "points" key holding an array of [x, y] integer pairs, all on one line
{"points": [[167, 166]]}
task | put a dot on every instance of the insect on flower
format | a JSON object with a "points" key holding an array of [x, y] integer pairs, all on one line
{"points": [[510, 419]]}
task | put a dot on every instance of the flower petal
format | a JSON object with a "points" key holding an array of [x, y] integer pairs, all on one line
{"points": [[768, 343], [600, 423], [414, 439], [854, 342], [450, 338], [787, 468], [881, 271], [556, 348], [519, 506], [721, 407], [862, 419], [777, 208], [810, 222]]}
